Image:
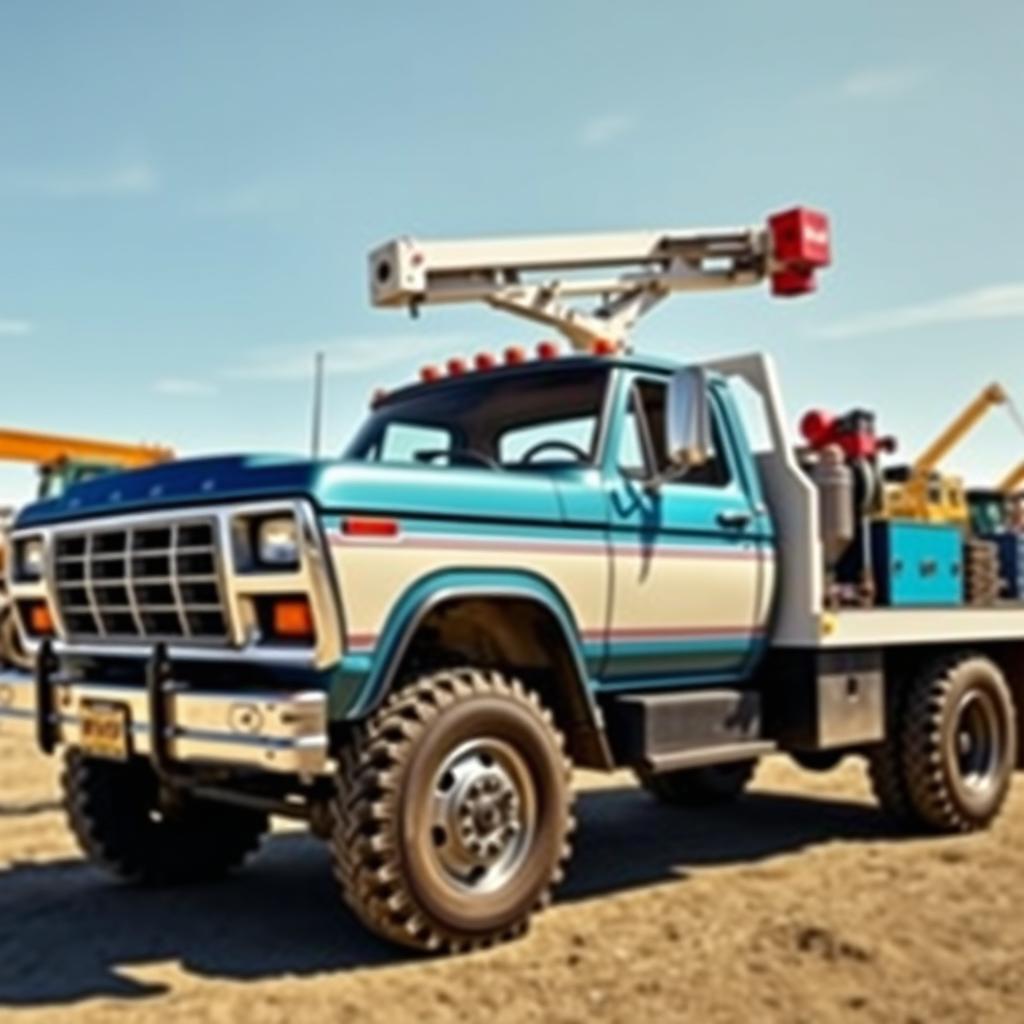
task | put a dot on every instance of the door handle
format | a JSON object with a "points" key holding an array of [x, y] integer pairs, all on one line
{"points": [[734, 519]]}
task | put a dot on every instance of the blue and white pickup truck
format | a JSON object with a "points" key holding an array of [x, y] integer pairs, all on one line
{"points": [[520, 564]]}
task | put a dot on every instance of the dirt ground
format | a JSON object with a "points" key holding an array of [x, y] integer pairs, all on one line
{"points": [[795, 904]]}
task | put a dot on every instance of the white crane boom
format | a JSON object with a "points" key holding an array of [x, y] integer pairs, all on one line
{"points": [[628, 272]]}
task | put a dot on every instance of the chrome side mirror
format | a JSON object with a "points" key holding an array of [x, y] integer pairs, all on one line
{"points": [[688, 419]]}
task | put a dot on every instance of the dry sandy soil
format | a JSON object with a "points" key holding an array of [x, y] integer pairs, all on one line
{"points": [[796, 904]]}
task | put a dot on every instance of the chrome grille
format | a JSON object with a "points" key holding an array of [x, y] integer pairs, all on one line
{"points": [[146, 582]]}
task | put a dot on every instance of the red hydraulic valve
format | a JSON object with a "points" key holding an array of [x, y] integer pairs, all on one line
{"points": [[854, 433], [801, 245]]}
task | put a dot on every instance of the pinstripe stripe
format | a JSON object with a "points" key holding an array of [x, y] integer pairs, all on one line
{"points": [[367, 641], [441, 542]]}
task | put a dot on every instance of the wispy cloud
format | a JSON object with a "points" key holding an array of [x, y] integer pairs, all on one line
{"points": [[15, 328], [248, 200], [120, 179], [994, 302], [882, 83], [604, 130], [185, 387], [356, 354]]}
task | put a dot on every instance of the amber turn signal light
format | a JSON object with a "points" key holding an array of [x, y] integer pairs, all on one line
{"points": [[40, 621], [293, 619]]}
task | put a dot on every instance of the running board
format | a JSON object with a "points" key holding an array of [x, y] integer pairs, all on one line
{"points": [[662, 732], [658, 763]]}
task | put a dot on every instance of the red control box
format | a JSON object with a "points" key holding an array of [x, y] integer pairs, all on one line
{"points": [[800, 236], [801, 244]]}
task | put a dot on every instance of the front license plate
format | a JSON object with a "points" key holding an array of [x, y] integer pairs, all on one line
{"points": [[105, 729]]}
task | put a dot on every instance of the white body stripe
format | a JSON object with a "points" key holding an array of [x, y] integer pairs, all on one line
{"points": [[689, 590]]}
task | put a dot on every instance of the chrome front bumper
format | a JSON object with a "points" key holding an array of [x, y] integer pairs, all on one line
{"points": [[275, 732]]}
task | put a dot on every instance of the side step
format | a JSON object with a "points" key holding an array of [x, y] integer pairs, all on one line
{"points": [[664, 732]]}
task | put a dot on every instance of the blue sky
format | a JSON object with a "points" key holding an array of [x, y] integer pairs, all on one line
{"points": [[188, 192]]}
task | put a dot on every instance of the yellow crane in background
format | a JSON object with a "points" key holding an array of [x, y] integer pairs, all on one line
{"points": [[1013, 481], [923, 493], [62, 461]]}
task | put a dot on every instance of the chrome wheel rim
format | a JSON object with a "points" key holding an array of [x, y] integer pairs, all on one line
{"points": [[483, 815], [978, 741]]}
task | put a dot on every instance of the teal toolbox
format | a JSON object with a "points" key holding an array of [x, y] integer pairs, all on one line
{"points": [[918, 564]]}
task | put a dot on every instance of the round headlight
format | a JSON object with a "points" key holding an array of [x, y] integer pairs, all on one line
{"points": [[277, 542], [30, 559]]}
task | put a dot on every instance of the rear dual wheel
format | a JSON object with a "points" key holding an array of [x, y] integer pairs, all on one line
{"points": [[453, 812], [948, 760]]}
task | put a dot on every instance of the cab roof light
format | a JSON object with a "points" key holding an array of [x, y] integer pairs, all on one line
{"points": [[547, 350], [514, 355], [456, 367], [484, 361], [428, 374], [604, 347]]}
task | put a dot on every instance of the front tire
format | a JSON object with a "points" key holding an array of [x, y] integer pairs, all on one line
{"points": [[453, 812], [123, 825]]}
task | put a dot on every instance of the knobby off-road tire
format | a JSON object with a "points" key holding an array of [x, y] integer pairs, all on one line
{"points": [[713, 784], [948, 762], [453, 812], [115, 813]]}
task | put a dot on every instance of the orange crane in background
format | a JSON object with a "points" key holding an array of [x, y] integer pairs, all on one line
{"points": [[65, 460], [62, 462]]}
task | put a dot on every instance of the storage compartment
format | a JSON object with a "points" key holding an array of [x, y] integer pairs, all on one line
{"points": [[690, 727], [918, 564], [824, 700]]}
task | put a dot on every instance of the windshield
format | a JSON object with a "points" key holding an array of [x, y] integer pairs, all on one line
{"points": [[508, 420]]}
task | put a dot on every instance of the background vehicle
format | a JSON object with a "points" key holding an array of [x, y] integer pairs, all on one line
{"points": [[62, 462], [520, 564]]}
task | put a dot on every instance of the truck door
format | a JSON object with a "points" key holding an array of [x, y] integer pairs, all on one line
{"points": [[688, 584]]}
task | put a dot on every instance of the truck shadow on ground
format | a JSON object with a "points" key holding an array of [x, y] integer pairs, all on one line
{"points": [[66, 933]]}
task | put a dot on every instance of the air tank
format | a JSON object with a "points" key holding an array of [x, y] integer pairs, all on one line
{"points": [[835, 482]]}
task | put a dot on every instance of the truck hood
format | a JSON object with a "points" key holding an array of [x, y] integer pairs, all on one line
{"points": [[330, 485]]}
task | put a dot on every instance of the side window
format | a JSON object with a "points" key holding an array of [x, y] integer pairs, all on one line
{"points": [[549, 440], [402, 441], [643, 450]]}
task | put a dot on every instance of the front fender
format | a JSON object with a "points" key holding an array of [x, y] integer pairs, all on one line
{"points": [[379, 669]]}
